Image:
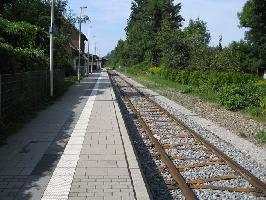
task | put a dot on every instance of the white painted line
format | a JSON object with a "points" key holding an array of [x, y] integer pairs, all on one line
{"points": [[60, 183]]}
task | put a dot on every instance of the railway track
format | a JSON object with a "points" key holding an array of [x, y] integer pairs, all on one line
{"points": [[188, 162]]}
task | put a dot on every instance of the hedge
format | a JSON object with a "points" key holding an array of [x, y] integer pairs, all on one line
{"points": [[14, 60], [23, 34]]}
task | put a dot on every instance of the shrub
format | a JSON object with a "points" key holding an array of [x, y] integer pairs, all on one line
{"points": [[21, 60], [23, 34], [154, 70], [182, 77], [236, 97], [137, 69], [186, 90], [261, 83], [262, 136], [197, 77]]}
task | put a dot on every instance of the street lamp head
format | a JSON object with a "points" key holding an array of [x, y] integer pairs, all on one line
{"points": [[83, 7]]}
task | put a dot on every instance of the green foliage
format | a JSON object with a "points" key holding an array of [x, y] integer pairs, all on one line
{"points": [[253, 17], [22, 47], [235, 90], [197, 33], [137, 69], [186, 90], [154, 36], [119, 55], [246, 54], [236, 97], [154, 70], [262, 136], [261, 83], [24, 24], [36, 12], [145, 27], [225, 60], [174, 48], [23, 35], [21, 60]]}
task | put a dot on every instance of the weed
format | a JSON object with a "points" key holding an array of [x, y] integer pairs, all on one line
{"points": [[262, 136], [233, 90], [186, 90]]}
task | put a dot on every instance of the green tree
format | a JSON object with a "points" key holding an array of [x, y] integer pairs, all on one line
{"points": [[37, 12], [197, 33], [246, 54], [119, 55], [197, 37], [145, 27], [174, 49], [253, 17]]}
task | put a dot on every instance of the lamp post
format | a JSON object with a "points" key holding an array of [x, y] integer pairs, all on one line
{"points": [[92, 56], [80, 21], [88, 65], [95, 51], [89, 70], [51, 31]]}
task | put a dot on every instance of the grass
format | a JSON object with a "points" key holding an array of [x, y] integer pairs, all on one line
{"points": [[11, 126], [71, 80], [262, 136], [160, 85], [256, 113]]}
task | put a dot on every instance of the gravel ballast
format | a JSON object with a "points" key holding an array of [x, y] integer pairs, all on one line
{"points": [[244, 153]]}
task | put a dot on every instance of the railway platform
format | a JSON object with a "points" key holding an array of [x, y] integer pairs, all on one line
{"points": [[77, 149]]}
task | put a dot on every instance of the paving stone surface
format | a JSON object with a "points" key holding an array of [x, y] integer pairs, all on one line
{"points": [[28, 158], [102, 171], [77, 149]]}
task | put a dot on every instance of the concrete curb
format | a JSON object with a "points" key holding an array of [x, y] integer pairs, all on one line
{"points": [[135, 172]]}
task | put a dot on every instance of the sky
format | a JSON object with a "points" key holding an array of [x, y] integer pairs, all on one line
{"points": [[109, 19]]}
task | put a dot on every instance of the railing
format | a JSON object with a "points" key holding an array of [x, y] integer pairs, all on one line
{"points": [[24, 92]]}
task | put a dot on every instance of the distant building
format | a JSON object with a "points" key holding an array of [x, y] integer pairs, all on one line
{"points": [[74, 48]]}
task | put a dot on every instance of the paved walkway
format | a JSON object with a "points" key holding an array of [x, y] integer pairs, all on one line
{"points": [[77, 149]]}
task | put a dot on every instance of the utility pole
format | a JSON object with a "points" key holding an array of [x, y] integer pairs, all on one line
{"points": [[51, 50], [80, 21]]}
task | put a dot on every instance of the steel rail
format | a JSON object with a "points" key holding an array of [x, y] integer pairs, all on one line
{"points": [[254, 181], [184, 187]]}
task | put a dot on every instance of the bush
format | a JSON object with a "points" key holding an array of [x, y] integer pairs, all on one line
{"points": [[261, 83], [262, 136], [186, 90], [236, 97], [182, 77], [154, 70], [137, 69], [23, 35], [21, 60], [197, 77]]}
